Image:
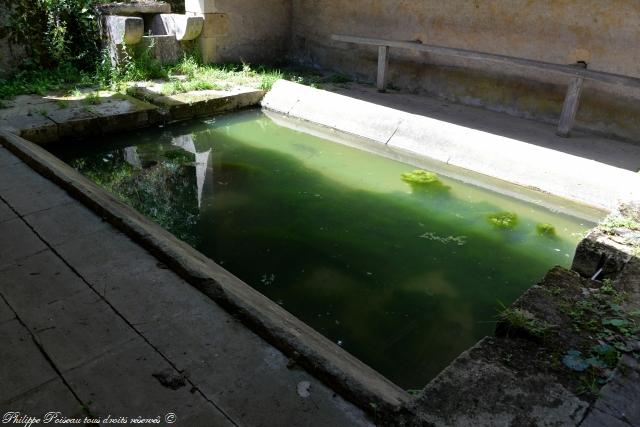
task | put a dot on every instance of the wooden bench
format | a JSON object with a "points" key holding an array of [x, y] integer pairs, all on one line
{"points": [[577, 73]]}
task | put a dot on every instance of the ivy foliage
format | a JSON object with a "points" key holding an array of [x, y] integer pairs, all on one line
{"points": [[55, 32]]}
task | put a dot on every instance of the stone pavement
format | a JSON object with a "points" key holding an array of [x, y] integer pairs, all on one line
{"points": [[93, 325]]}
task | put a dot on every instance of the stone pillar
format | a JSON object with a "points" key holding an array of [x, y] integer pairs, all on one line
{"points": [[215, 27]]}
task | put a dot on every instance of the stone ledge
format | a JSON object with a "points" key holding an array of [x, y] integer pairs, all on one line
{"points": [[135, 8], [183, 106], [492, 384]]}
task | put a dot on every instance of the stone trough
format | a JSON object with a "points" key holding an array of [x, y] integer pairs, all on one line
{"points": [[150, 25]]}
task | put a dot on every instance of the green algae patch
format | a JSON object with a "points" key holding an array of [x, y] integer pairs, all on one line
{"points": [[504, 220], [421, 177], [546, 230], [422, 181]]}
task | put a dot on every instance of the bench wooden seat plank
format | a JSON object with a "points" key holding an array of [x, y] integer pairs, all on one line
{"points": [[577, 73]]}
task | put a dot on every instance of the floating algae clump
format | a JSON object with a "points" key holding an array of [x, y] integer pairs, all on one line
{"points": [[504, 220], [546, 230], [423, 182], [420, 177]]}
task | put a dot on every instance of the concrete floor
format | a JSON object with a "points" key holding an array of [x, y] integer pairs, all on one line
{"points": [[93, 325]]}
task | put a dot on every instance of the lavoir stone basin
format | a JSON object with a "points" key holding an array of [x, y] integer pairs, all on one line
{"points": [[404, 275]]}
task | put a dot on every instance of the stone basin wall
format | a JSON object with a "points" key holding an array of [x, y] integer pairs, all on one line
{"points": [[604, 34]]}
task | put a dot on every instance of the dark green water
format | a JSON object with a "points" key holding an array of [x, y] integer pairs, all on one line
{"points": [[403, 278]]}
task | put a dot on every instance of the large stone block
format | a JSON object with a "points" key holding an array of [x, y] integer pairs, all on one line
{"points": [[208, 49], [183, 27], [215, 24], [124, 29]]}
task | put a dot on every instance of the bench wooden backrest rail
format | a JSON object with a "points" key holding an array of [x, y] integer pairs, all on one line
{"points": [[577, 73]]}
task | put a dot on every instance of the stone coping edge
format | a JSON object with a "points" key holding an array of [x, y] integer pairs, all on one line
{"points": [[535, 167], [324, 359]]}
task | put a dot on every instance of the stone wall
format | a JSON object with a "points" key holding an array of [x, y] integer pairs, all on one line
{"points": [[255, 31], [605, 34]]}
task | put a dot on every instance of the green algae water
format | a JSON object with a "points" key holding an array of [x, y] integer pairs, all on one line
{"points": [[403, 275]]}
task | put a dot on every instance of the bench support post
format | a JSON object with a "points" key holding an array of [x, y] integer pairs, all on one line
{"points": [[383, 67], [570, 107]]}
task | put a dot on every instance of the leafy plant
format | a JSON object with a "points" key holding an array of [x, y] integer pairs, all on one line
{"points": [[55, 32]]}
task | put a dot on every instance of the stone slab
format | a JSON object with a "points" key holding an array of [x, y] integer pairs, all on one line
{"points": [[213, 355], [78, 329], [130, 371], [75, 122], [5, 212], [18, 241], [36, 128], [184, 106], [101, 256], [53, 396], [202, 339], [215, 25], [31, 107], [6, 313], [38, 281], [26, 191], [7, 159], [123, 112], [479, 388], [135, 8], [23, 367], [65, 222]]}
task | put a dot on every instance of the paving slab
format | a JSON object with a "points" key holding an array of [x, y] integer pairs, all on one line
{"points": [[37, 281], [67, 318], [35, 127], [28, 192], [53, 396], [78, 329], [65, 222], [200, 103], [6, 313], [7, 159], [202, 339], [6, 213], [213, 347], [125, 382], [23, 367], [122, 112], [105, 254], [18, 241], [75, 122]]}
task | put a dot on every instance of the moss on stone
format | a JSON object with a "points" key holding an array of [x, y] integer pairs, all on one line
{"points": [[504, 220]]}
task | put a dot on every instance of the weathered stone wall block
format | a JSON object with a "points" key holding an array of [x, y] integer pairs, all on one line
{"points": [[602, 34]]}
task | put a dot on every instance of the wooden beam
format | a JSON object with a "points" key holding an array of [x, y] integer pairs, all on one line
{"points": [[383, 68], [568, 70], [570, 107]]}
